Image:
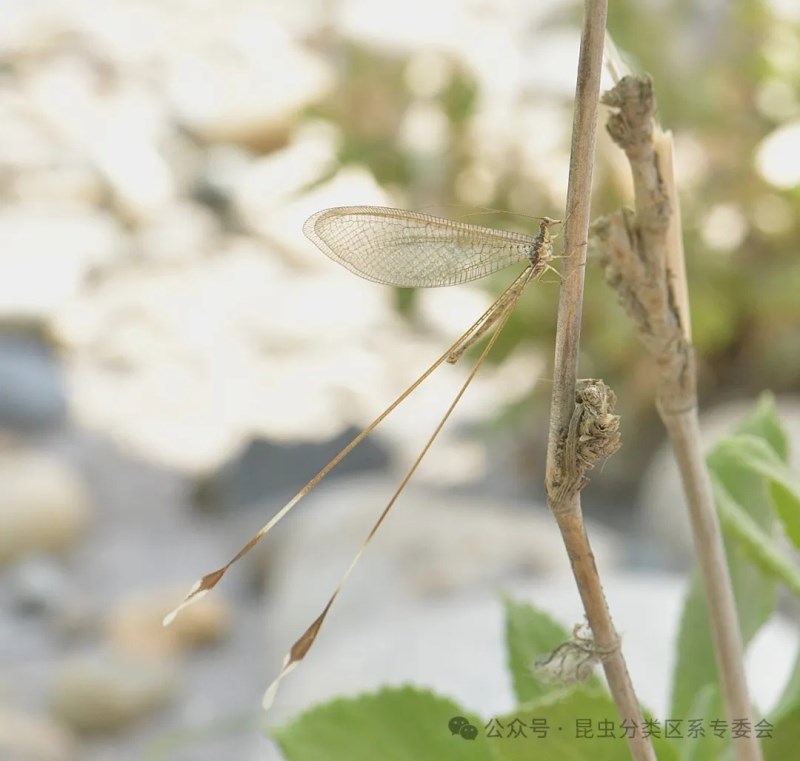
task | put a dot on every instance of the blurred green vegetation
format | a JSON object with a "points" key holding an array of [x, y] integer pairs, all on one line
{"points": [[712, 74], [714, 70]]}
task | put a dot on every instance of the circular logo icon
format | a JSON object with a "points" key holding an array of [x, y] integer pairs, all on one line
{"points": [[469, 731]]}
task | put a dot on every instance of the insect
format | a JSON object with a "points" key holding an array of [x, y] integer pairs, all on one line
{"points": [[405, 249], [410, 249]]}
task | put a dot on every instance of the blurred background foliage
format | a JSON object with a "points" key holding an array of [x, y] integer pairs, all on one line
{"points": [[727, 77]]}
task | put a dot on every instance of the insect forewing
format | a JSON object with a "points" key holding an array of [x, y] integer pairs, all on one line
{"points": [[407, 248]]}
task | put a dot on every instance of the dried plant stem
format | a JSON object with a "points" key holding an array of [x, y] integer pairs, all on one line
{"points": [[563, 482], [643, 259]]}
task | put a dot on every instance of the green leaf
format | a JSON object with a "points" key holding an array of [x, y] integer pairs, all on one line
{"points": [[578, 725], [395, 724], [761, 548], [745, 485], [784, 736], [696, 666], [530, 633], [788, 508], [707, 705], [755, 594], [750, 512], [757, 456], [763, 423]]}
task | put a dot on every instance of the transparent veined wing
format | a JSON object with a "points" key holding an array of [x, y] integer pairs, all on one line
{"points": [[411, 249]]}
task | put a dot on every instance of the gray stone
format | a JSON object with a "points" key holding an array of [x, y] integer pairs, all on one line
{"points": [[39, 585], [45, 505], [134, 625], [107, 692], [434, 543], [33, 398], [26, 737]]}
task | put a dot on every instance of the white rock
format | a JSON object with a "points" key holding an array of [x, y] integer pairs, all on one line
{"points": [[24, 737], [107, 692], [239, 77], [181, 232], [121, 130], [44, 505], [272, 181], [38, 167], [42, 266], [135, 624]]}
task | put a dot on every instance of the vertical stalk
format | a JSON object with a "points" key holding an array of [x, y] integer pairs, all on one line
{"points": [[563, 484], [643, 260]]}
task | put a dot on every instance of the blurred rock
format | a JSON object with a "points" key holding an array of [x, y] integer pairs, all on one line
{"points": [[178, 233], [664, 517], [38, 585], [33, 738], [119, 124], [240, 78], [107, 692], [184, 364], [38, 167], [272, 181], [33, 395], [66, 183], [433, 544], [45, 505], [43, 265], [222, 170], [135, 625], [266, 469]]}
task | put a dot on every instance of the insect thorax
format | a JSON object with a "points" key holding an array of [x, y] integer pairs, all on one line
{"points": [[540, 252]]}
